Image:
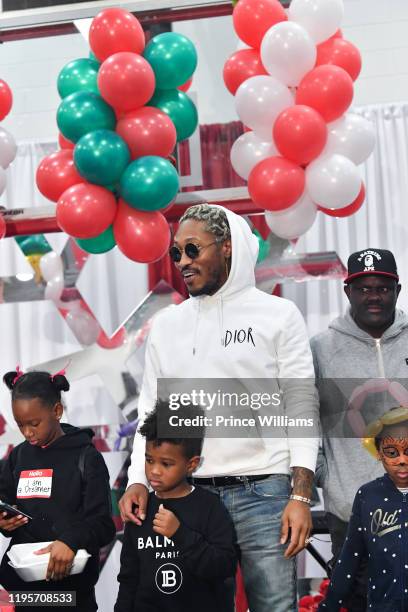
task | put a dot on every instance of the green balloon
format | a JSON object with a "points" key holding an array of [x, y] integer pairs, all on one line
{"points": [[78, 75], [37, 244], [149, 183], [101, 157], [264, 247], [101, 244], [83, 112], [173, 58], [179, 107], [93, 57]]}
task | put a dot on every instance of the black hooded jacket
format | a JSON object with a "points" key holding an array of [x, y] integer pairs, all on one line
{"points": [[76, 509]]}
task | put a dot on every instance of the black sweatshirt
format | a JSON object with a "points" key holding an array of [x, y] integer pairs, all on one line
{"points": [[75, 508], [185, 572]]}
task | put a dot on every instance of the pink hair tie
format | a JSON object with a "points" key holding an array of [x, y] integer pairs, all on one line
{"points": [[61, 372], [20, 373]]}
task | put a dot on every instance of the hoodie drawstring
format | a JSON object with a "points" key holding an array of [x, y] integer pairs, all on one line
{"points": [[220, 312], [196, 326]]}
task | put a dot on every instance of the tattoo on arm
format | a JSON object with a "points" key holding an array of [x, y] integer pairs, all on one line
{"points": [[302, 481]]}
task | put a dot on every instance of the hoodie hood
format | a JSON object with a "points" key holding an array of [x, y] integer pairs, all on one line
{"points": [[245, 248], [346, 325], [244, 254], [73, 438]]}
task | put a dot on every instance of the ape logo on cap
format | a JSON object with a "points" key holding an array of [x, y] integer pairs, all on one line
{"points": [[169, 578], [368, 257], [371, 261]]}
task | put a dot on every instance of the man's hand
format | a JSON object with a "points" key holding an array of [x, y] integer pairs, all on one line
{"points": [[165, 522], [298, 519], [13, 523], [297, 516], [136, 494], [61, 559]]}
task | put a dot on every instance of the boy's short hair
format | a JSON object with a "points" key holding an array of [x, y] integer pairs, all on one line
{"points": [[192, 446]]}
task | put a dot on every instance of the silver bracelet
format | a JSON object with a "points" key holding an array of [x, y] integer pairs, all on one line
{"points": [[306, 500]]}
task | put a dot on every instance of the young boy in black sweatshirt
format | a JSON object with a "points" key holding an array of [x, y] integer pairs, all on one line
{"points": [[181, 555], [378, 528]]}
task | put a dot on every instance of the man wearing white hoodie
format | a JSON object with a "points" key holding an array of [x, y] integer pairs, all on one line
{"points": [[265, 484]]}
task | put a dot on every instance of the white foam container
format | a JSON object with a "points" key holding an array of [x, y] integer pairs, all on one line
{"points": [[32, 567]]}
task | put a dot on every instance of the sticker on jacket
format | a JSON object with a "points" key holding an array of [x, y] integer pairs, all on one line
{"points": [[34, 483]]}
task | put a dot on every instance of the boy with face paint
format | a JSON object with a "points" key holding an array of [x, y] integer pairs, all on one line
{"points": [[378, 528]]}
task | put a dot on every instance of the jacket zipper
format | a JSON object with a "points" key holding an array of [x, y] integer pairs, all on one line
{"points": [[380, 357]]}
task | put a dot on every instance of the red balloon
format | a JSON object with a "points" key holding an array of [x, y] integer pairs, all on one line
{"points": [[114, 342], [340, 52], [186, 86], [126, 81], [114, 30], [253, 18], [148, 131], [2, 227], [64, 143], [349, 210], [141, 236], [241, 66], [300, 134], [6, 99], [276, 183], [56, 173], [327, 89], [85, 210]]}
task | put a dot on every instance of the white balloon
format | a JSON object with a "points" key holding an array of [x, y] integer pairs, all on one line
{"points": [[3, 180], [258, 102], [8, 148], [321, 18], [51, 266], [288, 52], [352, 136], [54, 288], [84, 327], [333, 182], [293, 221], [247, 151]]}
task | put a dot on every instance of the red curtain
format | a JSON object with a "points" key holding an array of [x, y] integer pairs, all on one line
{"points": [[216, 142]]}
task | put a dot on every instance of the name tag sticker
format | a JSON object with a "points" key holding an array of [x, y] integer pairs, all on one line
{"points": [[34, 483]]}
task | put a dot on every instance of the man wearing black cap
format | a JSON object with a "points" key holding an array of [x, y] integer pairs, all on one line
{"points": [[355, 361]]}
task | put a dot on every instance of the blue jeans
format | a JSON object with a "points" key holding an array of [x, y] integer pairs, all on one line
{"points": [[256, 509]]}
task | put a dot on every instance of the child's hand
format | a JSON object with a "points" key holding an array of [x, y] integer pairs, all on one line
{"points": [[12, 523], [165, 522], [61, 558]]}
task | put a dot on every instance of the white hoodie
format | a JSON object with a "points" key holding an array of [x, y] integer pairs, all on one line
{"points": [[187, 341]]}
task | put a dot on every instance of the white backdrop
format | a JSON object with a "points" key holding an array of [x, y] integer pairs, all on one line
{"points": [[382, 222]]}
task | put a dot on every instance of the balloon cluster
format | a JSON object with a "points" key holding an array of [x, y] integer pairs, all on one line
{"points": [[34, 247], [120, 117], [8, 147], [292, 89]]}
